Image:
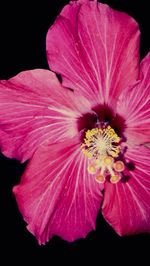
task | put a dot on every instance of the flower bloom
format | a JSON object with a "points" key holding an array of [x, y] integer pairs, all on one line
{"points": [[86, 139]]}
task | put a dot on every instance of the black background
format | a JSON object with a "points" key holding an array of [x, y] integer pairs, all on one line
{"points": [[23, 27]]}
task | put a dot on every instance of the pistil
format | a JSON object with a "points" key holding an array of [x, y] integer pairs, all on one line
{"points": [[101, 146]]}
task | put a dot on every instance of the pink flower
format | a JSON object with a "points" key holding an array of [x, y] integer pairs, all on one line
{"points": [[86, 139]]}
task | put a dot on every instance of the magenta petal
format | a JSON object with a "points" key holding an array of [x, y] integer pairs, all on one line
{"points": [[134, 106], [34, 107], [95, 49], [126, 206], [56, 195]]}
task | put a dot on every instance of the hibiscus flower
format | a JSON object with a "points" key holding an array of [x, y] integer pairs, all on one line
{"points": [[85, 138]]}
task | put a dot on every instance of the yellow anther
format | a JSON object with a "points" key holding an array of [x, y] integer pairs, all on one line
{"points": [[101, 142]]}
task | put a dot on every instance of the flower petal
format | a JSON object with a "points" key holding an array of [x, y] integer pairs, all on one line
{"points": [[35, 107], [95, 49], [56, 195], [126, 206], [134, 106]]}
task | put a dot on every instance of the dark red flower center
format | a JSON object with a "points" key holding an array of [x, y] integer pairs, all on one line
{"points": [[102, 115]]}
